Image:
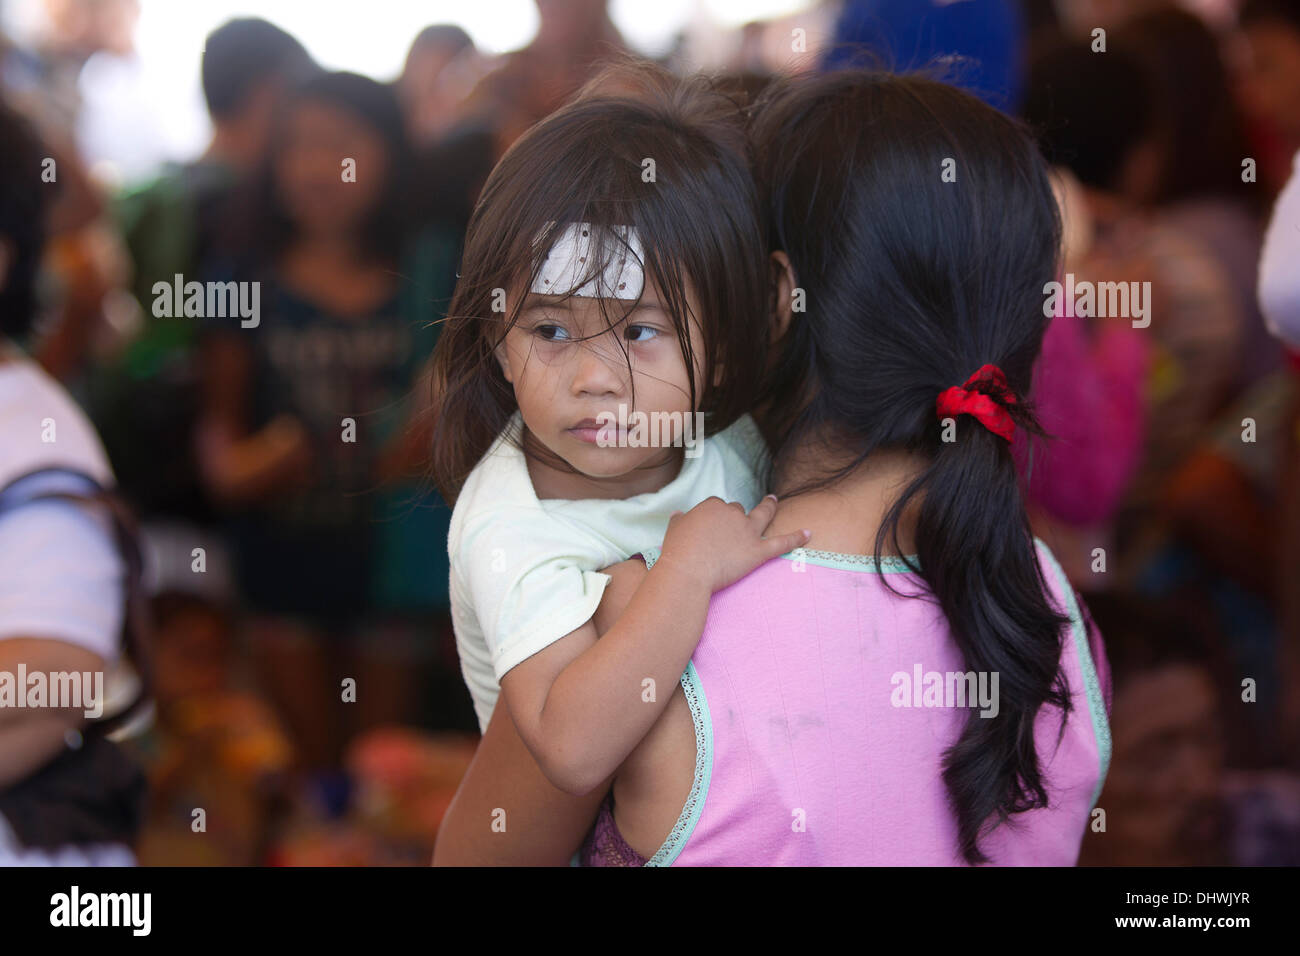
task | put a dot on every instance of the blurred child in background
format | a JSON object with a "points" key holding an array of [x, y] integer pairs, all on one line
{"points": [[298, 411], [214, 746]]}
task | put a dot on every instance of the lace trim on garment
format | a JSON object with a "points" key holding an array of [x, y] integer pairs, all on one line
{"points": [[887, 563], [690, 814]]}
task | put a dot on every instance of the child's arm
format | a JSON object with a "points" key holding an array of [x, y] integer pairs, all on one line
{"points": [[537, 825], [581, 706], [237, 465]]}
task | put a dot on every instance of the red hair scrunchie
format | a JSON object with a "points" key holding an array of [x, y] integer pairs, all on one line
{"points": [[989, 412]]}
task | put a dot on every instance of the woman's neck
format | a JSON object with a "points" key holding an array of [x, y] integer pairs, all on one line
{"points": [[845, 515]]}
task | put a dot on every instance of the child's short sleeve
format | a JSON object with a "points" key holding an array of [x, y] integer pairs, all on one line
{"points": [[529, 586]]}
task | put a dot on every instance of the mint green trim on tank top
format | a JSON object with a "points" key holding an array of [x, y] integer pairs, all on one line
{"points": [[694, 806], [1091, 682], [703, 722], [888, 564]]}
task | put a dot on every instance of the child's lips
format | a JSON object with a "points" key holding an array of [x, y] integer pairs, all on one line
{"points": [[589, 430]]}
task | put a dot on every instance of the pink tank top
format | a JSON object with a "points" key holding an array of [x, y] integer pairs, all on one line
{"points": [[823, 703]]}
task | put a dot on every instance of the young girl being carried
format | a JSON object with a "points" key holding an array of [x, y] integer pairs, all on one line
{"points": [[614, 275]]}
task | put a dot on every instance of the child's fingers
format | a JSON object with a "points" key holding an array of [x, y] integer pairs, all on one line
{"points": [[763, 513], [784, 543]]}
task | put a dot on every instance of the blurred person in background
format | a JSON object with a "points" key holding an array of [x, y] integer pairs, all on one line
{"points": [[1201, 510], [46, 75], [68, 795], [1271, 76], [1271, 30], [1278, 277], [453, 152], [1095, 116], [1201, 189], [1226, 497], [1279, 299], [146, 398], [83, 261], [1088, 391], [1168, 799], [520, 89], [533, 82], [214, 744], [172, 223], [1224, 500], [331, 554], [1089, 386], [438, 75]]}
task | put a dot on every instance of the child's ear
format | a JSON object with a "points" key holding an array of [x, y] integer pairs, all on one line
{"points": [[783, 284], [503, 360]]}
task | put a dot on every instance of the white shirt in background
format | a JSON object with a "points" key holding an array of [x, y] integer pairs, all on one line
{"points": [[1279, 264]]}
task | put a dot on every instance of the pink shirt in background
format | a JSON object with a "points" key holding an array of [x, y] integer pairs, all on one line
{"points": [[805, 754], [1089, 396]]}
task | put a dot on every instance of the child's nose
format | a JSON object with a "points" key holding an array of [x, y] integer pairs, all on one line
{"points": [[601, 370]]}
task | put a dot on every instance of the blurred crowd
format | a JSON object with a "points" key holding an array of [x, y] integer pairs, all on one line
{"points": [[276, 456]]}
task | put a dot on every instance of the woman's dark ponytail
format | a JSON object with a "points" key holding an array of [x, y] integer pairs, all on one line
{"points": [[921, 227], [977, 556]]}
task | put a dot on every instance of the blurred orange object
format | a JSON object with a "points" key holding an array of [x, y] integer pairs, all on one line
{"points": [[406, 779]]}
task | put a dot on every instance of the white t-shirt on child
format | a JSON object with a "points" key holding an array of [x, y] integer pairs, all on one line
{"points": [[524, 572]]}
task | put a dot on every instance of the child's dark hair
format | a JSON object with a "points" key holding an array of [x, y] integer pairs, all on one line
{"points": [[698, 217], [911, 284]]}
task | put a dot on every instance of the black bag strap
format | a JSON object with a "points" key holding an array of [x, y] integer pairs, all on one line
{"points": [[69, 484]]}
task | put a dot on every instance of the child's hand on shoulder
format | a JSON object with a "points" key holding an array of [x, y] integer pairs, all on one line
{"points": [[717, 543]]}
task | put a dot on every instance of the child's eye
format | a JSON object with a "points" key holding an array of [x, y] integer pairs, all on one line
{"points": [[550, 333], [649, 333]]}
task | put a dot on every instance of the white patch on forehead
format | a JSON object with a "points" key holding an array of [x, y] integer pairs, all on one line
{"points": [[567, 263]]}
